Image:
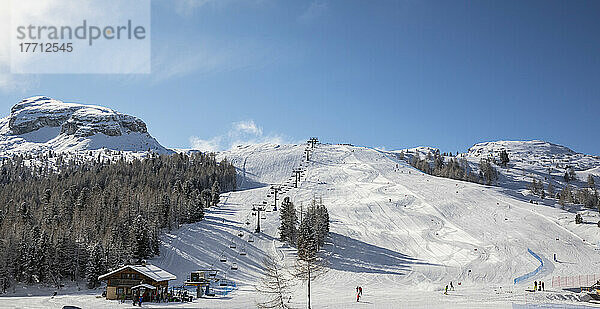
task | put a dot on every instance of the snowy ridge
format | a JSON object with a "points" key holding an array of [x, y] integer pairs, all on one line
{"points": [[40, 124], [535, 153]]}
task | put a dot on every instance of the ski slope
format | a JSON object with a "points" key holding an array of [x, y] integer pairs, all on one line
{"points": [[400, 234]]}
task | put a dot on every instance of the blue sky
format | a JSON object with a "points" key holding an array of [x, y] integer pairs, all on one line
{"points": [[389, 74]]}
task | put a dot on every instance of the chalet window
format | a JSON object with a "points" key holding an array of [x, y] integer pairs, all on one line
{"points": [[119, 291]]}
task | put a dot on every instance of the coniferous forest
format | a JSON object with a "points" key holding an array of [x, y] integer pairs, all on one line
{"points": [[77, 218]]}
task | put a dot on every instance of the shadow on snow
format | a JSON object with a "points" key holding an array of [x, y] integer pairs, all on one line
{"points": [[353, 255]]}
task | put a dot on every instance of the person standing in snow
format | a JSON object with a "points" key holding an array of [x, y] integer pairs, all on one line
{"points": [[451, 286], [360, 290], [534, 286], [446, 291], [357, 297], [141, 300], [543, 289]]}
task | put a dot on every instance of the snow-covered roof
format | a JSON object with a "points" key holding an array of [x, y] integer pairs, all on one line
{"points": [[153, 272], [143, 285]]}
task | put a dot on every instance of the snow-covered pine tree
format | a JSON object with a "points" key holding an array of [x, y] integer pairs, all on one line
{"points": [[42, 257], [206, 197], [504, 159], [95, 266], [550, 188], [215, 193], [141, 235], [590, 182], [197, 208], [288, 229], [306, 242]]}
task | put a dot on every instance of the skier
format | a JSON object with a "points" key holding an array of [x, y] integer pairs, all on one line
{"points": [[357, 297], [451, 286], [141, 300], [360, 290], [534, 286], [543, 288], [446, 291]]}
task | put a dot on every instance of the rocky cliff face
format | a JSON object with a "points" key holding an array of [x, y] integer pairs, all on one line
{"points": [[72, 126], [74, 119]]}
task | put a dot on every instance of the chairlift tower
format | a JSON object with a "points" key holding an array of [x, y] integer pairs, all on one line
{"points": [[297, 172], [312, 142], [257, 208], [275, 190]]}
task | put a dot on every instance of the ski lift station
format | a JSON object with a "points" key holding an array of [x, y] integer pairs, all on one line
{"points": [[146, 279]]}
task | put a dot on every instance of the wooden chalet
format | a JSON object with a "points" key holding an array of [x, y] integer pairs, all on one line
{"points": [[145, 280]]}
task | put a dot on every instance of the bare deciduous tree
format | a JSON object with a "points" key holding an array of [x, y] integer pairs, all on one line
{"points": [[274, 286], [308, 269]]}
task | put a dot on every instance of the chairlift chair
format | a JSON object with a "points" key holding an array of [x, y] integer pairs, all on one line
{"points": [[240, 233], [251, 239], [243, 252], [234, 266], [223, 258]]}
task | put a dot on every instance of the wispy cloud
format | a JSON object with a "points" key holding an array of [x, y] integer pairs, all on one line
{"points": [[212, 56], [315, 10], [241, 133], [209, 145], [187, 7], [247, 127]]}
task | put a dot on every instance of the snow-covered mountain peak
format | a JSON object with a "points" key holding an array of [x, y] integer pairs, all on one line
{"points": [[34, 113], [519, 149], [43, 123]]}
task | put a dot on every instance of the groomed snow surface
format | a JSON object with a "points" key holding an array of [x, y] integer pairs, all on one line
{"points": [[400, 234]]}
